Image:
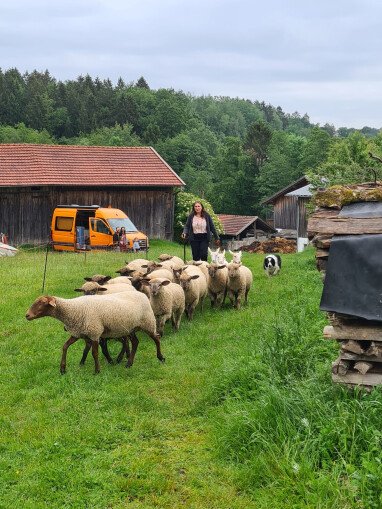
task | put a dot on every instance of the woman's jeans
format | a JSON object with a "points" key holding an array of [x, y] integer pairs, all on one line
{"points": [[199, 247]]}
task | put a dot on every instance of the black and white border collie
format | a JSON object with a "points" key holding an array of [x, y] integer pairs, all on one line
{"points": [[272, 264]]}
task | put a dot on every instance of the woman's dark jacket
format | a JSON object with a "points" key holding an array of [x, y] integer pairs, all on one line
{"points": [[187, 230]]}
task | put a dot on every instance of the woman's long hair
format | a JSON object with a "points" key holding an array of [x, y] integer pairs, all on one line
{"points": [[193, 208]]}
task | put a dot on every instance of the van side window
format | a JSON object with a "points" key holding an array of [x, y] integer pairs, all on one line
{"points": [[64, 223], [99, 226]]}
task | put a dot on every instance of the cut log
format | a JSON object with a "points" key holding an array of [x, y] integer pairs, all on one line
{"points": [[354, 331], [322, 253], [340, 367], [348, 356], [344, 225], [352, 346], [362, 367], [321, 264], [323, 242], [355, 378]]}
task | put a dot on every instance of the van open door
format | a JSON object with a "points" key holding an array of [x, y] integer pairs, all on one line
{"points": [[100, 235]]}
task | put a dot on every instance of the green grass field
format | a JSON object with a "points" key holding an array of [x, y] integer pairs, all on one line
{"points": [[243, 413]]}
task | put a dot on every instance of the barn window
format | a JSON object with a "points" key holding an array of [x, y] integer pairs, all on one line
{"points": [[64, 223]]}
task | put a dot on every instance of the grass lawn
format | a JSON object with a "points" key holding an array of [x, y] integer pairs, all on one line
{"points": [[241, 415]]}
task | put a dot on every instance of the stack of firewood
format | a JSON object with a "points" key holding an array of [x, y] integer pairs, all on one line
{"points": [[276, 245], [360, 341]]}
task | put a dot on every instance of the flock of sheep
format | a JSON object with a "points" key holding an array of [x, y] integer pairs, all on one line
{"points": [[144, 297]]}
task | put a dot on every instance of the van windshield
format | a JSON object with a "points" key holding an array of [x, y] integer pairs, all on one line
{"points": [[122, 223]]}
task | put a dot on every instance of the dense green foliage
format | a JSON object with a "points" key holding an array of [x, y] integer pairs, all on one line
{"points": [[183, 207], [230, 151], [242, 415]]}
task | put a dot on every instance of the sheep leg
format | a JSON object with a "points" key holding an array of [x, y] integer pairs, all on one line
{"points": [[156, 339], [88, 345], [160, 325], [212, 297], [134, 346], [95, 356], [67, 344], [246, 295], [231, 297], [125, 348], [105, 351], [176, 318], [239, 296]]}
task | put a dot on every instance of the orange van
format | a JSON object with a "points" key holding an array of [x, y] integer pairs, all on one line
{"points": [[82, 227]]}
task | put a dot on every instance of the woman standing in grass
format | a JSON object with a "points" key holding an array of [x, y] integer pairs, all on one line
{"points": [[199, 229]]}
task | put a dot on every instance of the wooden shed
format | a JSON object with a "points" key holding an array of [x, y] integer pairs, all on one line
{"points": [[289, 209], [34, 179], [239, 227]]}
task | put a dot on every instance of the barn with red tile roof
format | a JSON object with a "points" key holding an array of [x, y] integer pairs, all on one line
{"points": [[34, 179]]}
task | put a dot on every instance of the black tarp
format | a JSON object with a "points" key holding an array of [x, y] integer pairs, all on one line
{"points": [[353, 281]]}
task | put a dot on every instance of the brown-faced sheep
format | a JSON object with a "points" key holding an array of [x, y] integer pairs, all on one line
{"points": [[93, 317]]}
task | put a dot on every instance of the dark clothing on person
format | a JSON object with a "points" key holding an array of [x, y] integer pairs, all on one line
{"points": [[199, 247], [199, 241]]}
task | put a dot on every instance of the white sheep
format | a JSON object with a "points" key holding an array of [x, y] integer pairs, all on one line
{"points": [[236, 256], [217, 283], [194, 286], [94, 288], [239, 283], [167, 300], [202, 265], [93, 317], [218, 256], [171, 262]]}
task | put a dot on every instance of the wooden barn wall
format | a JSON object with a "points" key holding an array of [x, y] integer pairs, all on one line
{"points": [[285, 213], [25, 213]]}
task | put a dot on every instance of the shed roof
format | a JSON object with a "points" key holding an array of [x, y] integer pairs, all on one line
{"points": [[301, 182], [234, 225], [71, 165]]}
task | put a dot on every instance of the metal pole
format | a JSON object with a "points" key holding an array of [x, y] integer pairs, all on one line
{"points": [[184, 250], [46, 261]]}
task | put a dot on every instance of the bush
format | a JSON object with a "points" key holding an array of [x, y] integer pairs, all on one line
{"points": [[183, 207]]}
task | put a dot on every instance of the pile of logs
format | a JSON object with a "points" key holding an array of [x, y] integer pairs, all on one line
{"points": [[360, 341], [276, 245]]}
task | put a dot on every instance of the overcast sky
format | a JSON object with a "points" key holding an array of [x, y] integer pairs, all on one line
{"points": [[321, 57]]}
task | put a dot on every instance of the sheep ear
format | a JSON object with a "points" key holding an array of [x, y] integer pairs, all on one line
{"points": [[102, 289], [52, 301], [221, 267], [117, 271], [107, 278], [145, 282], [89, 278], [158, 265], [165, 283], [231, 252], [210, 250], [78, 290], [194, 277], [145, 266]]}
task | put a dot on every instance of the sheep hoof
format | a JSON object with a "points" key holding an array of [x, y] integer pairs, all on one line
{"points": [[162, 359], [62, 370]]}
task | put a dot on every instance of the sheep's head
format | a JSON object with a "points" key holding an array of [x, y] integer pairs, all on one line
{"points": [[91, 288], [177, 273], [136, 279], [233, 270], [98, 278], [186, 280], [213, 255], [125, 271], [236, 256], [151, 266], [43, 306], [213, 268], [156, 284]]}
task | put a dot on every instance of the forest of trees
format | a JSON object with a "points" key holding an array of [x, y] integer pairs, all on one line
{"points": [[230, 151]]}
